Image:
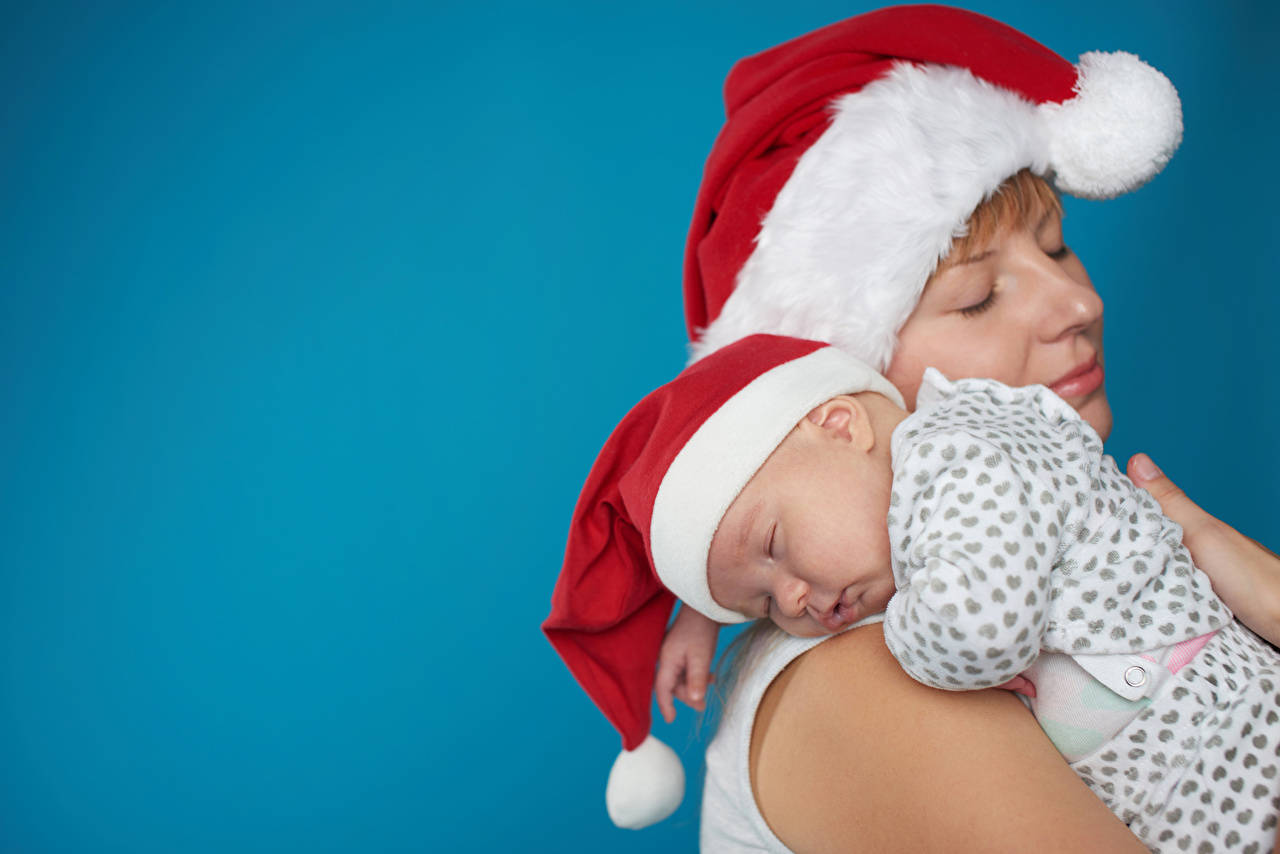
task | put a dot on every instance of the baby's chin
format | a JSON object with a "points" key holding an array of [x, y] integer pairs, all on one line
{"points": [[804, 628]]}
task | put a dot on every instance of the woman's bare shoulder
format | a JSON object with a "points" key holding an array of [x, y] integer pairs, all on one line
{"points": [[848, 747]]}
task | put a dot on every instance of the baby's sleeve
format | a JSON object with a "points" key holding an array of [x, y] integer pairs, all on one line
{"points": [[976, 539]]}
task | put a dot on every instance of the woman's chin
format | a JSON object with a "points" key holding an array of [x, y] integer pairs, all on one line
{"points": [[1096, 410]]}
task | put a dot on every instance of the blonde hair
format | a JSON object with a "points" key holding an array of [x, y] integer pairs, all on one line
{"points": [[1013, 203]]}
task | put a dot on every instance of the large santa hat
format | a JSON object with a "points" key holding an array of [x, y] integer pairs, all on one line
{"points": [[642, 530], [852, 156]]}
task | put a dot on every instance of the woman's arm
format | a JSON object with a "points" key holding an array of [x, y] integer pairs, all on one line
{"points": [[1245, 574], [848, 753]]}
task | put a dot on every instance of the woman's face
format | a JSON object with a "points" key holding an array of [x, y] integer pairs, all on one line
{"points": [[1021, 310]]}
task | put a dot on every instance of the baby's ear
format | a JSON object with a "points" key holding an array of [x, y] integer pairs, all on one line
{"points": [[844, 418]]}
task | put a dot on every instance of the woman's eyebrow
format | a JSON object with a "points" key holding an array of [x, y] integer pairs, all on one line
{"points": [[1044, 220], [973, 259]]}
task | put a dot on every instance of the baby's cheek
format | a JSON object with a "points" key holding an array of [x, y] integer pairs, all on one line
{"points": [[880, 600]]}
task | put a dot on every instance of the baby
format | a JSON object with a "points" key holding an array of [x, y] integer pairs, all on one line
{"points": [[1012, 545]]}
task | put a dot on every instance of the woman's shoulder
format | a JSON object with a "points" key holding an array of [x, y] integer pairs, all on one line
{"points": [[832, 679], [851, 684], [844, 742]]}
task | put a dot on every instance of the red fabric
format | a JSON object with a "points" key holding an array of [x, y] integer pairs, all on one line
{"points": [[776, 106], [609, 610]]}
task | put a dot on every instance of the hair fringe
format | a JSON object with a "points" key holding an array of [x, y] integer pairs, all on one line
{"points": [[1014, 202]]}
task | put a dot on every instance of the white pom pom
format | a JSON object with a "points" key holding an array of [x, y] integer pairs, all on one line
{"points": [[645, 785], [1120, 129]]}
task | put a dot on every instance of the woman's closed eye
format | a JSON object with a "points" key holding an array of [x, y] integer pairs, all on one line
{"points": [[1059, 254], [979, 307]]}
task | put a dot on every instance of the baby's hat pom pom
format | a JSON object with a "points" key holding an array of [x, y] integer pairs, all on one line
{"points": [[645, 785]]}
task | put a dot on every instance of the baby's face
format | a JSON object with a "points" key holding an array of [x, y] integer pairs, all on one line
{"points": [[805, 543]]}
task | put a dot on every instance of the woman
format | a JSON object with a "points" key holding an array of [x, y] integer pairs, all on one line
{"points": [[842, 178]]}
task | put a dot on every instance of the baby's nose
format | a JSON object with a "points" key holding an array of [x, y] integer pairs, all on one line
{"points": [[822, 603], [793, 597]]}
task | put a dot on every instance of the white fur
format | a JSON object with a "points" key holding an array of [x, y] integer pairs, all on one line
{"points": [[725, 452], [645, 785], [875, 203], [1120, 129]]}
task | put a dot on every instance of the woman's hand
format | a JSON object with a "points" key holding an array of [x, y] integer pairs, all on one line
{"points": [[1244, 573]]}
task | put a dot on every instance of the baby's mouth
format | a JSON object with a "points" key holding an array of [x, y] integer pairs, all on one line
{"points": [[843, 613], [831, 621], [845, 608], [837, 618]]}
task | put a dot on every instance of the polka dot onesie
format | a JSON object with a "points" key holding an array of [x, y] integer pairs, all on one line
{"points": [[1017, 541]]}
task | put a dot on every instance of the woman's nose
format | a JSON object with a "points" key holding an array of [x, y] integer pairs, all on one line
{"points": [[1070, 306]]}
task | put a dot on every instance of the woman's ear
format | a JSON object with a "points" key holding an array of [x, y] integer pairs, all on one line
{"points": [[846, 419]]}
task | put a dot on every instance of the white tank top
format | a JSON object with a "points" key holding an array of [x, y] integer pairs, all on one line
{"points": [[731, 819]]}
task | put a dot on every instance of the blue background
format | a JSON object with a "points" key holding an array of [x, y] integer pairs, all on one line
{"points": [[313, 318]]}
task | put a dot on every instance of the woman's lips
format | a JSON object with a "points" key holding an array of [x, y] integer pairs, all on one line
{"points": [[1081, 381]]}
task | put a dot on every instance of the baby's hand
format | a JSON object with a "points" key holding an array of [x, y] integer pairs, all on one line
{"points": [[684, 662]]}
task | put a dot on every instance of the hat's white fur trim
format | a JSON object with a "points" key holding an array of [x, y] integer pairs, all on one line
{"points": [[874, 204], [726, 451], [871, 207]]}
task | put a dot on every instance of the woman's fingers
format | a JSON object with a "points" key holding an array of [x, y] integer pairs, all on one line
{"points": [[1173, 501], [1244, 573]]}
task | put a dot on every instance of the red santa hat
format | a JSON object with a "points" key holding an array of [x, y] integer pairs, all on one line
{"points": [[643, 525], [852, 156]]}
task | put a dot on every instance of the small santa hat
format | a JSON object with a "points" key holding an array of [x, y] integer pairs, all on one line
{"points": [[643, 525], [852, 156]]}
